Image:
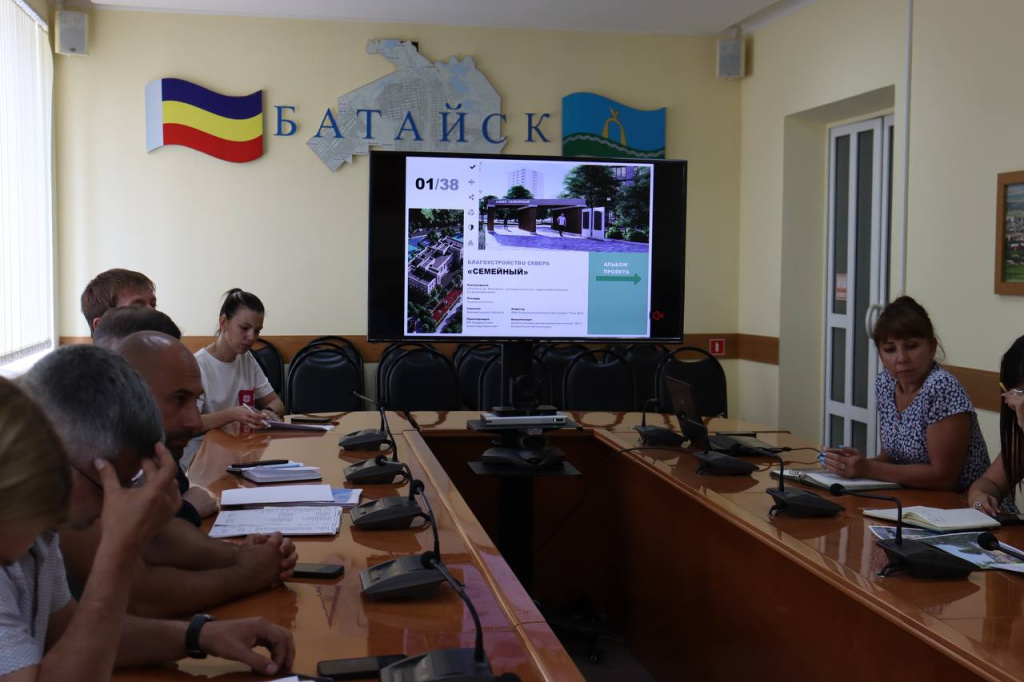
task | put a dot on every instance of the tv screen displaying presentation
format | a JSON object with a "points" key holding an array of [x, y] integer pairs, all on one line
{"points": [[506, 248]]}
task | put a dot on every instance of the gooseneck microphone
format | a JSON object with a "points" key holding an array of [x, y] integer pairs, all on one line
{"points": [[468, 665], [405, 577], [913, 557], [390, 513], [368, 439], [795, 501], [992, 544], [379, 469], [655, 435]]}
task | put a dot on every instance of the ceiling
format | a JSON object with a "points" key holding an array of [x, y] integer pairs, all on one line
{"points": [[690, 17]]}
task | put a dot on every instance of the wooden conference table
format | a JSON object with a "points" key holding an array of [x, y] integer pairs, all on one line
{"points": [[689, 569]]}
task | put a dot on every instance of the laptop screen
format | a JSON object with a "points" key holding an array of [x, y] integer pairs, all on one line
{"points": [[685, 409]]}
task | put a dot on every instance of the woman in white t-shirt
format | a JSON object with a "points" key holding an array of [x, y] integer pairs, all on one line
{"points": [[234, 386]]}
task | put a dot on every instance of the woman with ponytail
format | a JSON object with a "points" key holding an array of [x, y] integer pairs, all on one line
{"points": [[235, 389]]}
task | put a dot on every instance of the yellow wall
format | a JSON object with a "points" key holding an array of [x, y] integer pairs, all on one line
{"points": [[810, 68], [290, 230]]}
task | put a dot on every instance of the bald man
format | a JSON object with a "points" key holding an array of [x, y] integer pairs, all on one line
{"points": [[173, 376], [182, 570]]}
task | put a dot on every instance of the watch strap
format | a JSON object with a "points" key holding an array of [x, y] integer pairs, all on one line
{"points": [[192, 635]]}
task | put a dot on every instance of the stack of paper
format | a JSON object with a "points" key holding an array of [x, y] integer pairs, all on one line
{"points": [[282, 495], [273, 474], [346, 497], [284, 520]]}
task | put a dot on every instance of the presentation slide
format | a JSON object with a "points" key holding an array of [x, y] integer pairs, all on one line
{"points": [[514, 248]]}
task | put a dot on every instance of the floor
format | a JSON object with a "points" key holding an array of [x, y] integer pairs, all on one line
{"points": [[615, 662]]}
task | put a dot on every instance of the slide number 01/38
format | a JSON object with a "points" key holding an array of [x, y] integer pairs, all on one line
{"points": [[441, 184]]}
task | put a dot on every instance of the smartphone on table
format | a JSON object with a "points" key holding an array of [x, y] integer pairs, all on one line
{"points": [[356, 668], [318, 570]]}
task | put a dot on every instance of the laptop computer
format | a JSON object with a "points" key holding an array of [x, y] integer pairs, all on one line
{"points": [[692, 426]]}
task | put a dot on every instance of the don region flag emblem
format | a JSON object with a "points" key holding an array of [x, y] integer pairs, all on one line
{"points": [[183, 113], [593, 125]]}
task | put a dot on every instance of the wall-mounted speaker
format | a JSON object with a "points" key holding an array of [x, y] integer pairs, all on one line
{"points": [[72, 33], [731, 58]]}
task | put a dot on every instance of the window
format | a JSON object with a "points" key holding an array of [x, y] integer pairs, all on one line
{"points": [[26, 211]]}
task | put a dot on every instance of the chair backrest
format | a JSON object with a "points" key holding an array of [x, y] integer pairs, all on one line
{"points": [[270, 361], [556, 358], [322, 380], [705, 376], [489, 389], [469, 361], [644, 359], [421, 379], [337, 344], [342, 342], [387, 358], [598, 380]]}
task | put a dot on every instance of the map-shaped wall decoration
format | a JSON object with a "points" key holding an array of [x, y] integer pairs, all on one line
{"points": [[410, 103]]}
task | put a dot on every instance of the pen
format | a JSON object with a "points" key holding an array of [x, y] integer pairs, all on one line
{"points": [[260, 463], [1015, 391]]}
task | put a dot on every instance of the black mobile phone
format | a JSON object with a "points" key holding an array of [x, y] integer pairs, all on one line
{"points": [[311, 420], [355, 668], [318, 570]]}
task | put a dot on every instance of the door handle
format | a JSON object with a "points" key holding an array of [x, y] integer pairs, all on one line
{"points": [[870, 316]]}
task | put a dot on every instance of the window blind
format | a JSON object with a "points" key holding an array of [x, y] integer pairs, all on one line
{"points": [[26, 220]]}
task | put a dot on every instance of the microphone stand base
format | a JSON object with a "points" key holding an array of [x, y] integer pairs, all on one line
{"points": [[447, 665], [921, 560]]}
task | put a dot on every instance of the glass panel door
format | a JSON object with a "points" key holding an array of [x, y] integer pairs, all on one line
{"points": [[858, 248]]}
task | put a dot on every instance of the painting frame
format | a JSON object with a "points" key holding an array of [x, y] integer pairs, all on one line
{"points": [[1009, 184]]}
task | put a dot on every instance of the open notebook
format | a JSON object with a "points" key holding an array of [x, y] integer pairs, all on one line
{"points": [[945, 520], [821, 479]]}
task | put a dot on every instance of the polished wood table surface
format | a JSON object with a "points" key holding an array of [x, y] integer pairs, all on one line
{"points": [[331, 619], [703, 584]]}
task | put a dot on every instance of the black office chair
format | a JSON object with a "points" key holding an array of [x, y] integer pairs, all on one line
{"points": [[341, 342], [644, 359], [599, 380], [387, 358], [705, 376], [490, 393], [556, 357], [469, 360], [322, 380], [421, 379], [270, 361]]}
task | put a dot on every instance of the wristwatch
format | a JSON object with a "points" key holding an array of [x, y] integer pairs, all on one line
{"points": [[192, 635]]}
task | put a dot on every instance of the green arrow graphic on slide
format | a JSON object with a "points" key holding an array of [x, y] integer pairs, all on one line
{"points": [[634, 278]]}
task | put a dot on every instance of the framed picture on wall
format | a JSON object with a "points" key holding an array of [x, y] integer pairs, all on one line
{"points": [[1010, 234]]}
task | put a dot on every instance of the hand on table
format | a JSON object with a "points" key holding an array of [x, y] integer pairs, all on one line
{"points": [[846, 462], [983, 502], [234, 640]]}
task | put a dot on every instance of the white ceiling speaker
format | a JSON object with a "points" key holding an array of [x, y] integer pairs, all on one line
{"points": [[72, 33], [731, 58]]}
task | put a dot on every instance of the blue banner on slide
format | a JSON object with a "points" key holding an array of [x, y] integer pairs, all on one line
{"points": [[593, 125]]}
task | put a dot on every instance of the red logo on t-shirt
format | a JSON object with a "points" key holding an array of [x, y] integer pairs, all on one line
{"points": [[247, 397]]}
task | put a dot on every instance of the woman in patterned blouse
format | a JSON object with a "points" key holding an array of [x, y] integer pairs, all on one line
{"points": [[993, 492], [929, 430]]}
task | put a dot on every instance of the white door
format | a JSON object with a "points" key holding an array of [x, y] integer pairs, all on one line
{"points": [[860, 189], [597, 224], [585, 224]]}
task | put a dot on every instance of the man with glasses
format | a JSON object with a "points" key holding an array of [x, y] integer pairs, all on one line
{"points": [[108, 422]]}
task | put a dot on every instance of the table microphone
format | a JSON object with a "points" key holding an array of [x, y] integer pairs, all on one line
{"points": [[390, 513], [379, 469], [405, 577], [795, 501], [712, 463], [465, 665], [991, 543], [656, 435], [367, 439], [913, 557]]}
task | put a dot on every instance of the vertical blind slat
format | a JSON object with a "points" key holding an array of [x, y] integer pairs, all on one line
{"points": [[26, 231]]}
